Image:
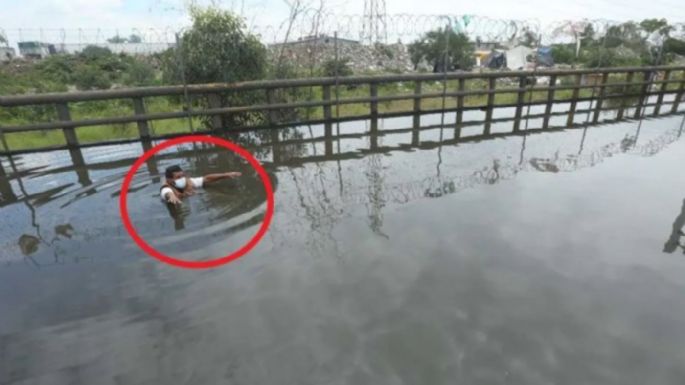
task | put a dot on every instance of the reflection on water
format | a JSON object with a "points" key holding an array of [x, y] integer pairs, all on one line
{"points": [[673, 241], [398, 253]]}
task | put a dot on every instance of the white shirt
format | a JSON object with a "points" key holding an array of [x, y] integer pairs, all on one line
{"points": [[196, 182]]}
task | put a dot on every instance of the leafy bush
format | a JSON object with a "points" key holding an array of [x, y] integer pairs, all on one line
{"points": [[445, 50], [88, 77], [613, 57], [675, 46], [333, 68], [217, 48], [563, 54], [139, 73]]}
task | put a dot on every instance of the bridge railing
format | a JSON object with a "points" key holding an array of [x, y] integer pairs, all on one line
{"points": [[656, 81]]}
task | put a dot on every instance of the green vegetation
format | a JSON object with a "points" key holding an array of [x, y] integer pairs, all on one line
{"points": [[119, 40], [444, 50], [334, 68], [218, 48], [626, 44]]}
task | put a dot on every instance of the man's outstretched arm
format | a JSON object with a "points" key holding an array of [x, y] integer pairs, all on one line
{"points": [[209, 178]]}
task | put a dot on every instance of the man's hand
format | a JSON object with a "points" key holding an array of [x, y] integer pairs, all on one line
{"points": [[210, 178], [173, 199]]}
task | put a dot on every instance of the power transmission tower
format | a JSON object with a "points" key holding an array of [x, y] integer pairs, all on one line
{"points": [[374, 28]]}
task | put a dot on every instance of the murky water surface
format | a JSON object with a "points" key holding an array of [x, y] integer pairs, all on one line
{"points": [[547, 258]]}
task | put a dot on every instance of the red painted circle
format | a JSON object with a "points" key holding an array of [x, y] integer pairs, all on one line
{"points": [[123, 208]]}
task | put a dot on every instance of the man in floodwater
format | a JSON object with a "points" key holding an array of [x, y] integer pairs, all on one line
{"points": [[178, 186]]}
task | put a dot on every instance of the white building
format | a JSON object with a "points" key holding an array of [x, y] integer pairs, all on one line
{"points": [[127, 48], [517, 57], [7, 54]]}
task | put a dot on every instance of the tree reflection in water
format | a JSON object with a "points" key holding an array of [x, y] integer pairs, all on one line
{"points": [[673, 242]]}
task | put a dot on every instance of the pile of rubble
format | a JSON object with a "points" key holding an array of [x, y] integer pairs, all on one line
{"points": [[361, 58]]}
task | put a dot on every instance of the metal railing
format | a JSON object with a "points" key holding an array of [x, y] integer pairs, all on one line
{"points": [[657, 76]]}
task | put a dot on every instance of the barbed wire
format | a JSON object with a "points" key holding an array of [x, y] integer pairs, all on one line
{"points": [[399, 27]]}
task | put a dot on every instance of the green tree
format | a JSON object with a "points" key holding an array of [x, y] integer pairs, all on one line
{"points": [[563, 54], [627, 34], [587, 37], [217, 48], [674, 46], [94, 53], [116, 39], [135, 39], [530, 39], [334, 68], [656, 25], [444, 49]]}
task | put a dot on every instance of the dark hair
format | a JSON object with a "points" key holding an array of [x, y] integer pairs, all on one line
{"points": [[169, 172]]}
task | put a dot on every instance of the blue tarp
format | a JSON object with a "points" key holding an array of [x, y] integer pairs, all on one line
{"points": [[545, 57]]}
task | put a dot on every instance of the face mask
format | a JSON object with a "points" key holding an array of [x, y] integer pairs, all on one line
{"points": [[180, 183]]}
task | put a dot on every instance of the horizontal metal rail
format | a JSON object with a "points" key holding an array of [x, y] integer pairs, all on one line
{"points": [[61, 97], [60, 124], [610, 89]]}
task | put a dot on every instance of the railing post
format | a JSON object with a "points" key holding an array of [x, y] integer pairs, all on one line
{"points": [[600, 97], [215, 103], [574, 101], [373, 105], [275, 146], [151, 163], [519, 103], [647, 80], [626, 89], [139, 109], [80, 166], [664, 86], [417, 97], [550, 101], [328, 135], [492, 84], [326, 90], [271, 115], [327, 115], [416, 130], [373, 134], [679, 95], [460, 106], [69, 132], [6, 192]]}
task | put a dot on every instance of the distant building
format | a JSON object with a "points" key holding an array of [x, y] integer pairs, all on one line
{"points": [[317, 40], [487, 45], [518, 57], [125, 48], [7, 54], [484, 49], [35, 49]]}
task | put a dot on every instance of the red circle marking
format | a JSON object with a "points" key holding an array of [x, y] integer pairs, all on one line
{"points": [[123, 207]]}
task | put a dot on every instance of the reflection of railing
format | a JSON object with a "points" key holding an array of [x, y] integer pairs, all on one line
{"points": [[288, 153], [213, 95], [376, 194], [433, 187]]}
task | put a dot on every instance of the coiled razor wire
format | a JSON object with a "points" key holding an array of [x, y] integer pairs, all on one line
{"points": [[398, 27]]}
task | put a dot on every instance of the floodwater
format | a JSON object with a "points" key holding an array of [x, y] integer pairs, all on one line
{"points": [[546, 258]]}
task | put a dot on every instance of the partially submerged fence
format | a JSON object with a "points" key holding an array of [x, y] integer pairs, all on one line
{"points": [[599, 86]]}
